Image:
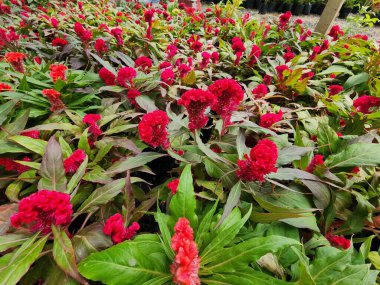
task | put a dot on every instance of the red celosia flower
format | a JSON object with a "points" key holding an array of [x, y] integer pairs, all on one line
{"points": [[280, 71], [11, 165], [54, 99], [267, 120], [16, 59], [57, 71], [261, 161], [254, 54], [126, 74], [308, 75], [205, 59], [260, 91], [148, 16], [229, 94], [167, 76], [132, 95], [118, 34], [335, 89], [37, 60], [31, 134], [338, 241], [84, 34], [54, 22], [171, 51], [152, 129], [173, 186], [5, 87], [215, 57], [196, 101], [186, 262], [284, 19], [43, 209], [365, 103], [143, 63], [91, 120], [362, 37], [267, 79], [107, 76], [59, 42], [73, 162], [183, 69], [100, 46], [114, 227], [165, 64], [289, 56], [335, 32], [194, 43], [317, 160]]}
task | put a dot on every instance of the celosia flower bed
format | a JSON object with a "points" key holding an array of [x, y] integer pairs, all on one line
{"points": [[146, 144]]}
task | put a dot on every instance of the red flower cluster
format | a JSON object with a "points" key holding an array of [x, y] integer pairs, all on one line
{"points": [[365, 103], [107, 76], [239, 49], [228, 94], [118, 34], [54, 99], [57, 71], [84, 34], [171, 51], [167, 76], [59, 42], [132, 95], [261, 161], [186, 262], [43, 209], [338, 241], [254, 54], [91, 120], [335, 32], [288, 56], [280, 71], [11, 165], [73, 162], [31, 134], [126, 74], [144, 63], [196, 101], [260, 91], [173, 185], [5, 87], [100, 46], [114, 227], [194, 43], [267, 120], [152, 129], [335, 89], [16, 59], [317, 160], [284, 19]]}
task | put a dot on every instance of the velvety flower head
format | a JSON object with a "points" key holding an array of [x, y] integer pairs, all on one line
{"points": [[186, 263], [31, 134], [118, 34], [54, 22], [5, 87], [57, 71], [152, 129], [260, 91], [228, 94], [91, 120], [171, 51], [205, 59], [59, 42], [338, 241], [10, 165], [215, 57], [84, 34], [54, 99], [365, 103], [100, 46], [43, 209], [143, 63], [284, 19], [317, 160], [16, 59], [167, 76], [132, 95], [165, 64], [267, 120], [280, 71], [173, 185], [148, 16], [267, 79], [107, 76], [335, 32], [114, 227], [335, 89], [254, 54], [261, 161], [289, 56], [73, 162], [125, 76], [238, 45], [196, 101]]}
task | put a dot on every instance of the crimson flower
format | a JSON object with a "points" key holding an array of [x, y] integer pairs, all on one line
{"points": [[59, 42], [84, 34], [132, 95], [317, 160], [73, 162], [267, 120], [152, 129], [91, 120], [107, 76], [280, 71], [335, 32], [126, 74], [10, 165], [31, 134], [254, 54], [338, 241], [57, 71], [118, 34], [5, 87], [43, 209], [144, 63], [260, 91], [365, 103], [284, 19], [171, 51], [100, 46], [54, 99], [167, 76], [16, 59], [335, 89], [114, 227], [173, 185], [289, 56]]}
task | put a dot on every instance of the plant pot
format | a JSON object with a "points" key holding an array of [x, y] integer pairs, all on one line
{"points": [[307, 9], [298, 9], [263, 7], [272, 6], [344, 12]]}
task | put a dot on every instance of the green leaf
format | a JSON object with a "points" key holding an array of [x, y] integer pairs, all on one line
{"points": [[5, 109], [83, 142], [16, 126], [21, 260], [232, 200], [374, 257], [221, 171], [358, 154], [52, 170], [129, 263], [163, 221], [133, 162], [77, 176], [288, 154], [35, 145], [205, 227], [11, 240], [327, 139], [183, 202], [102, 196], [336, 69], [15, 187], [356, 80], [106, 64]]}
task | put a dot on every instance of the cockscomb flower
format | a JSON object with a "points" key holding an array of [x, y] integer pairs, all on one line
{"points": [[215, 57], [43, 209], [365, 103], [335, 32], [143, 63], [167, 76], [59, 42], [126, 75], [289, 56], [5, 87], [338, 241], [173, 185], [16, 59], [284, 19], [31, 134], [196, 101], [148, 16], [152, 129], [268, 120], [317, 160], [260, 91], [54, 99], [165, 64], [171, 51], [73, 162], [260, 162], [107, 76], [228, 94], [10, 165], [91, 120], [84, 34], [132, 95], [254, 54], [118, 34], [205, 60], [186, 263], [57, 71], [335, 89], [194, 43], [114, 227], [100, 46], [280, 71], [54, 22]]}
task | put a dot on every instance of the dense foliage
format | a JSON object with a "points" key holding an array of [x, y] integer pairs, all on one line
{"points": [[159, 145]]}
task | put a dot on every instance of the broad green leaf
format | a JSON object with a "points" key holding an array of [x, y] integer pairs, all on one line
{"points": [[106, 64], [374, 257], [336, 69], [35, 145], [5, 109], [221, 171], [205, 227], [128, 263], [83, 143], [327, 139], [16, 126], [11, 240], [288, 154], [356, 80], [15, 187], [232, 200], [77, 176], [247, 277], [163, 221]]}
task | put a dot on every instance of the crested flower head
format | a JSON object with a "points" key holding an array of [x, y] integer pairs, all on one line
{"points": [[152, 129], [57, 71], [114, 227], [16, 59]]}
